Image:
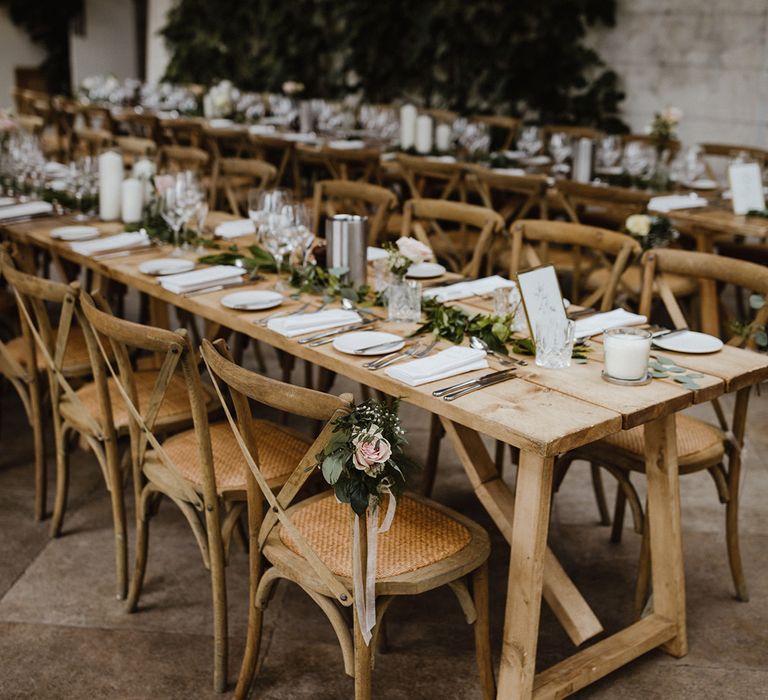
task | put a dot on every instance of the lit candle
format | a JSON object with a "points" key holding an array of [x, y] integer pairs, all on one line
{"points": [[407, 126], [424, 134], [443, 137], [132, 200], [110, 180], [627, 351]]}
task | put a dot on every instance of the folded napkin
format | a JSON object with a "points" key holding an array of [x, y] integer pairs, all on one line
{"points": [[593, 325], [233, 229], [299, 324], [517, 172], [347, 144], [441, 159], [464, 290], [376, 253], [676, 201], [221, 123], [455, 360], [200, 279], [262, 129], [26, 209], [299, 138], [120, 241]]}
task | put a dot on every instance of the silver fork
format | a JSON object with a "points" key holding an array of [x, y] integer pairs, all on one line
{"points": [[415, 351], [280, 314]]}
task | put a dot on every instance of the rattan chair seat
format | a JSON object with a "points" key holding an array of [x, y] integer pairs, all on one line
{"points": [[421, 535], [697, 442], [76, 361], [279, 453]]}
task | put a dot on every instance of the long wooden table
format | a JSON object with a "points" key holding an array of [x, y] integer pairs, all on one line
{"points": [[544, 413]]}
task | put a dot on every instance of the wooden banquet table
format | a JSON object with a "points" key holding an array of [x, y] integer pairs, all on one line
{"points": [[544, 413]]}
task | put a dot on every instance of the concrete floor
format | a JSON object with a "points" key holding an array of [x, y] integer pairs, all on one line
{"points": [[63, 634]]}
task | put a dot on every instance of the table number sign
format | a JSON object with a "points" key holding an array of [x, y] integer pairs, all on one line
{"points": [[542, 298], [746, 187]]}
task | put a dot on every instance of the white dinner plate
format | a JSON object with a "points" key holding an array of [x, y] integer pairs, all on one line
{"points": [[75, 233], [351, 342], [253, 300], [690, 342], [703, 184], [166, 266], [425, 270], [537, 160]]}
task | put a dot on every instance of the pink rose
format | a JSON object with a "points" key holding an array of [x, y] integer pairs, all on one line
{"points": [[163, 183], [413, 249], [673, 115], [371, 449]]}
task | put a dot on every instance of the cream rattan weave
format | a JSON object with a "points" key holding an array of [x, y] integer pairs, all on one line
{"points": [[693, 437], [420, 535], [279, 453], [75, 359]]}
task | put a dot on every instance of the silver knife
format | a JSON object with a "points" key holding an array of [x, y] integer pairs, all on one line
{"points": [[480, 384], [325, 341], [336, 331], [668, 333], [378, 346], [215, 288], [469, 382]]}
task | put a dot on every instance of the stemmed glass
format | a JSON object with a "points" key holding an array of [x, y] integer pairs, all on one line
{"points": [[609, 151], [530, 140], [277, 239], [561, 148], [262, 203], [637, 158], [179, 202], [81, 182]]}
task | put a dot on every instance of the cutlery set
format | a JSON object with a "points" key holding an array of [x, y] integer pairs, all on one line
{"points": [[453, 392]]}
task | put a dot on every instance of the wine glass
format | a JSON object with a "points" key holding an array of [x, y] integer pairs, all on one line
{"points": [[277, 239], [301, 231], [637, 158], [179, 201], [560, 147], [530, 140], [609, 151]]}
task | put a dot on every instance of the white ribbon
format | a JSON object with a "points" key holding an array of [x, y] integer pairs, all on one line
{"points": [[365, 593]]}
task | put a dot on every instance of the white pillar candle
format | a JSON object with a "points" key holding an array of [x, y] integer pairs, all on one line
{"points": [[407, 126], [582, 162], [627, 351], [424, 134], [110, 179], [144, 170], [443, 138], [132, 200]]}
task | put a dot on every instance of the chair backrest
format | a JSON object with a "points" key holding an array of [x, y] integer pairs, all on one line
{"points": [[227, 143], [725, 150], [88, 141], [513, 196], [138, 124], [97, 118], [429, 177], [589, 247], [614, 203], [135, 148], [442, 116], [182, 131], [245, 386], [576, 132], [744, 275], [31, 123], [178, 158], [425, 219], [107, 335], [508, 127], [275, 150], [333, 197], [361, 164], [235, 176]]}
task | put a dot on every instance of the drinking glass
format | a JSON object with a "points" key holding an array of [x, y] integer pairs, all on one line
{"points": [[609, 152], [638, 158], [277, 239], [404, 301], [554, 344], [560, 146], [694, 166], [530, 140]]}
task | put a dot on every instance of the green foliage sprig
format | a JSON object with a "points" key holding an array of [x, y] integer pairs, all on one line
{"points": [[662, 367], [364, 457], [313, 279], [750, 329], [258, 261]]}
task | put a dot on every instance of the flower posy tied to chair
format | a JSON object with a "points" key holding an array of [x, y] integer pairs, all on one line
{"points": [[650, 231], [364, 462]]}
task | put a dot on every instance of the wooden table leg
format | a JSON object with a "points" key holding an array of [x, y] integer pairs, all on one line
{"points": [[663, 518]]}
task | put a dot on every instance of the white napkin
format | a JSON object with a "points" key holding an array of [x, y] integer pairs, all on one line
{"points": [[517, 172], [200, 279], [299, 324], [120, 241], [463, 290], [26, 209], [299, 138], [350, 144], [455, 360], [676, 201], [262, 129], [593, 325], [441, 159], [220, 123], [234, 229], [376, 253]]}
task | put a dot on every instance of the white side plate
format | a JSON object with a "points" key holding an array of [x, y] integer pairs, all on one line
{"points": [[75, 233], [166, 266], [691, 342], [425, 270], [351, 342], [252, 300]]}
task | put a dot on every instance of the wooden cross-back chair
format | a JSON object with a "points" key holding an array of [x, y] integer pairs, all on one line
{"points": [[275, 150], [576, 132], [507, 127], [179, 158], [24, 364], [232, 142], [135, 148], [700, 445], [727, 151], [333, 197], [310, 542], [89, 142], [182, 131], [465, 248], [513, 196], [359, 164], [432, 178], [600, 204], [31, 123], [442, 116], [589, 248], [95, 117], [64, 113], [137, 124], [234, 177]]}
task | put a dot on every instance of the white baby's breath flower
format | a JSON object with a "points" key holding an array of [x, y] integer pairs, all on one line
{"points": [[638, 224]]}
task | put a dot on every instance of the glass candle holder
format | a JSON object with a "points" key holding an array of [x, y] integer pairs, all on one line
{"points": [[627, 351], [554, 345], [404, 301]]}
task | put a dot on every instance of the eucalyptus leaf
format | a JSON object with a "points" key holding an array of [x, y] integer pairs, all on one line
{"points": [[333, 465], [756, 301]]}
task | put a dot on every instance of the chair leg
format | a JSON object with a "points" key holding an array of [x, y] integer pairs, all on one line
{"points": [[38, 439], [362, 663], [436, 432], [143, 516], [597, 485], [732, 542], [643, 572], [482, 632], [219, 594], [618, 515], [62, 477]]}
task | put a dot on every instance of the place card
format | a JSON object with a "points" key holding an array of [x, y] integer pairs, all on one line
{"points": [[542, 298], [746, 187]]}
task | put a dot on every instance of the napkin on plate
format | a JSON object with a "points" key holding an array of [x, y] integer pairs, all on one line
{"points": [[455, 360], [676, 201], [17, 211], [299, 324], [120, 241], [593, 325], [347, 144], [374, 253], [262, 129], [184, 282], [234, 229], [464, 290]]}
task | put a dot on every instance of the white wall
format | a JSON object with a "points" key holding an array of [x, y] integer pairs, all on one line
{"points": [[109, 44], [708, 57], [157, 52], [16, 49]]}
